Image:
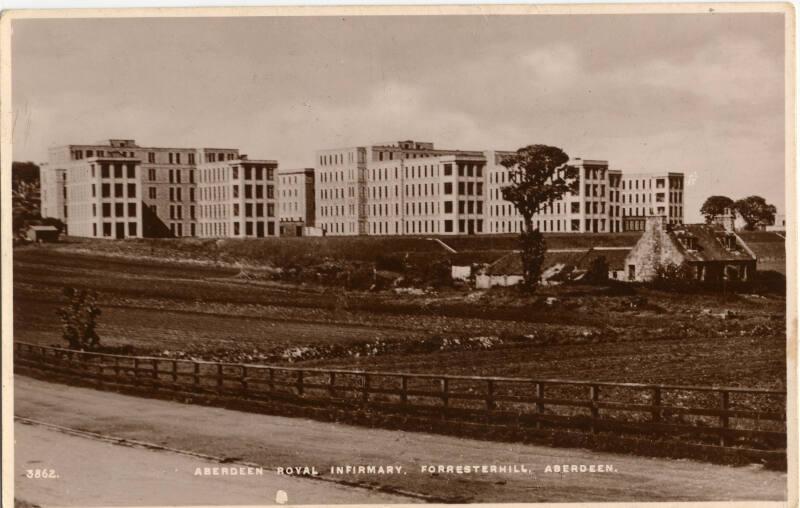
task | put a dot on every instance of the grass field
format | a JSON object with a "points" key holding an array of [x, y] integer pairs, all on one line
{"points": [[206, 311]]}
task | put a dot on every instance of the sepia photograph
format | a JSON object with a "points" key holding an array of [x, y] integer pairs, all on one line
{"points": [[393, 255]]}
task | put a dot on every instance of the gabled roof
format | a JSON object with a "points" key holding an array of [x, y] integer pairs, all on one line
{"points": [[709, 246], [511, 263], [615, 257]]}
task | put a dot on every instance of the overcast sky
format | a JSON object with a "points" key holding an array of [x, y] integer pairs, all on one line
{"points": [[702, 93]]}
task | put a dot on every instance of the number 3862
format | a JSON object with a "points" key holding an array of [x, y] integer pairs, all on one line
{"points": [[41, 473]]}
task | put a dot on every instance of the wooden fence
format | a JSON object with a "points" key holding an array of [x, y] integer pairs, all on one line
{"points": [[747, 419]]}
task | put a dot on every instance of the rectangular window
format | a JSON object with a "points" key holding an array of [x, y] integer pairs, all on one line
{"points": [[191, 161], [270, 210], [106, 229], [106, 209], [448, 187], [106, 188], [151, 175], [131, 190], [131, 209], [236, 229], [119, 190], [270, 191], [119, 209], [171, 158], [248, 190], [236, 209], [131, 171], [448, 207], [117, 170], [151, 157], [104, 173]]}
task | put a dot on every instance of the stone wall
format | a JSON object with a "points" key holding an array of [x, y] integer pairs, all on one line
{"points": [[654, 248]]}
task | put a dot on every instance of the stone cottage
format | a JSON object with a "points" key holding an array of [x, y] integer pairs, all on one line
{"points": [[714, 252]]}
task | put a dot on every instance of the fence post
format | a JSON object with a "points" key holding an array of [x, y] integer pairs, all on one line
{"points": [[404, 390], [136, 370], [244, 378], [300, 383], [174, 371], [331, 384], [196, 374], [656, 404], [220, 376], [445, 392], [155, 369], [365, 393], [539, 404], [271, 380], [489, 394], [594, 396], [724, 420]]}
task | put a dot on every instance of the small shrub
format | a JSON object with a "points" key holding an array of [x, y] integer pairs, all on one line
{"points": [[674, 277], [598, 271], [79, 319]]}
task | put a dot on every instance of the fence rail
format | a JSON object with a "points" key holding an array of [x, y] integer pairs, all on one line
{"points": [[753, 419]]}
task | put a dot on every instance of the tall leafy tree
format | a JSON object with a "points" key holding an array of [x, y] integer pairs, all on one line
{"points": [[715, 206], [755, 211], [539, 175]]}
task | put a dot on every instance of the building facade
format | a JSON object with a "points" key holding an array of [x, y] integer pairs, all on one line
{"points": [[411, 188], [297, 209], [117, 189], [651, 195]]}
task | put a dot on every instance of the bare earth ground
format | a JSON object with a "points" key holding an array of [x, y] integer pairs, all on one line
{"points": [[97, 473], [275, 441], [209, 311]]}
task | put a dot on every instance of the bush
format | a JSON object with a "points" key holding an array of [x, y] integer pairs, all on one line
{"points": [[673, 277], [598, 271], [768, 281], [391, 262], [79, 319]]}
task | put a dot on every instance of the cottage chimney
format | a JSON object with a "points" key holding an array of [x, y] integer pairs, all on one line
{"points": [[727, 220], [656, 223]]}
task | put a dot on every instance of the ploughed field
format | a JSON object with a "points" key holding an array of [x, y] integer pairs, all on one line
{"points": [[215, 312]]}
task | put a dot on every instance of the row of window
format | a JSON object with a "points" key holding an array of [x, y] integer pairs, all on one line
{"points": [[117, 229], [117, 210], [119, 170], [119, 190]]}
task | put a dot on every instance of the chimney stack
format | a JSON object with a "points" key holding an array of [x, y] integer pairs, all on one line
{"points": [[656, 223], [727, 220]]}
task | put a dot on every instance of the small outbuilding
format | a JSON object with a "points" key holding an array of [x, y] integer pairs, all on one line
{"points": [[39, 234]]}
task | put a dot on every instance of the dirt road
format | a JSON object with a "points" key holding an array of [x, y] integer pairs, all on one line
{"points": [[283, 442], [96, 473]]}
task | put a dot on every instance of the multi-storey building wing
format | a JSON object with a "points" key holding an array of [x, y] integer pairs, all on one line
{"points": [[409, 187], [118, 189], [237, 196], [297, 209], [650, 195]]}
